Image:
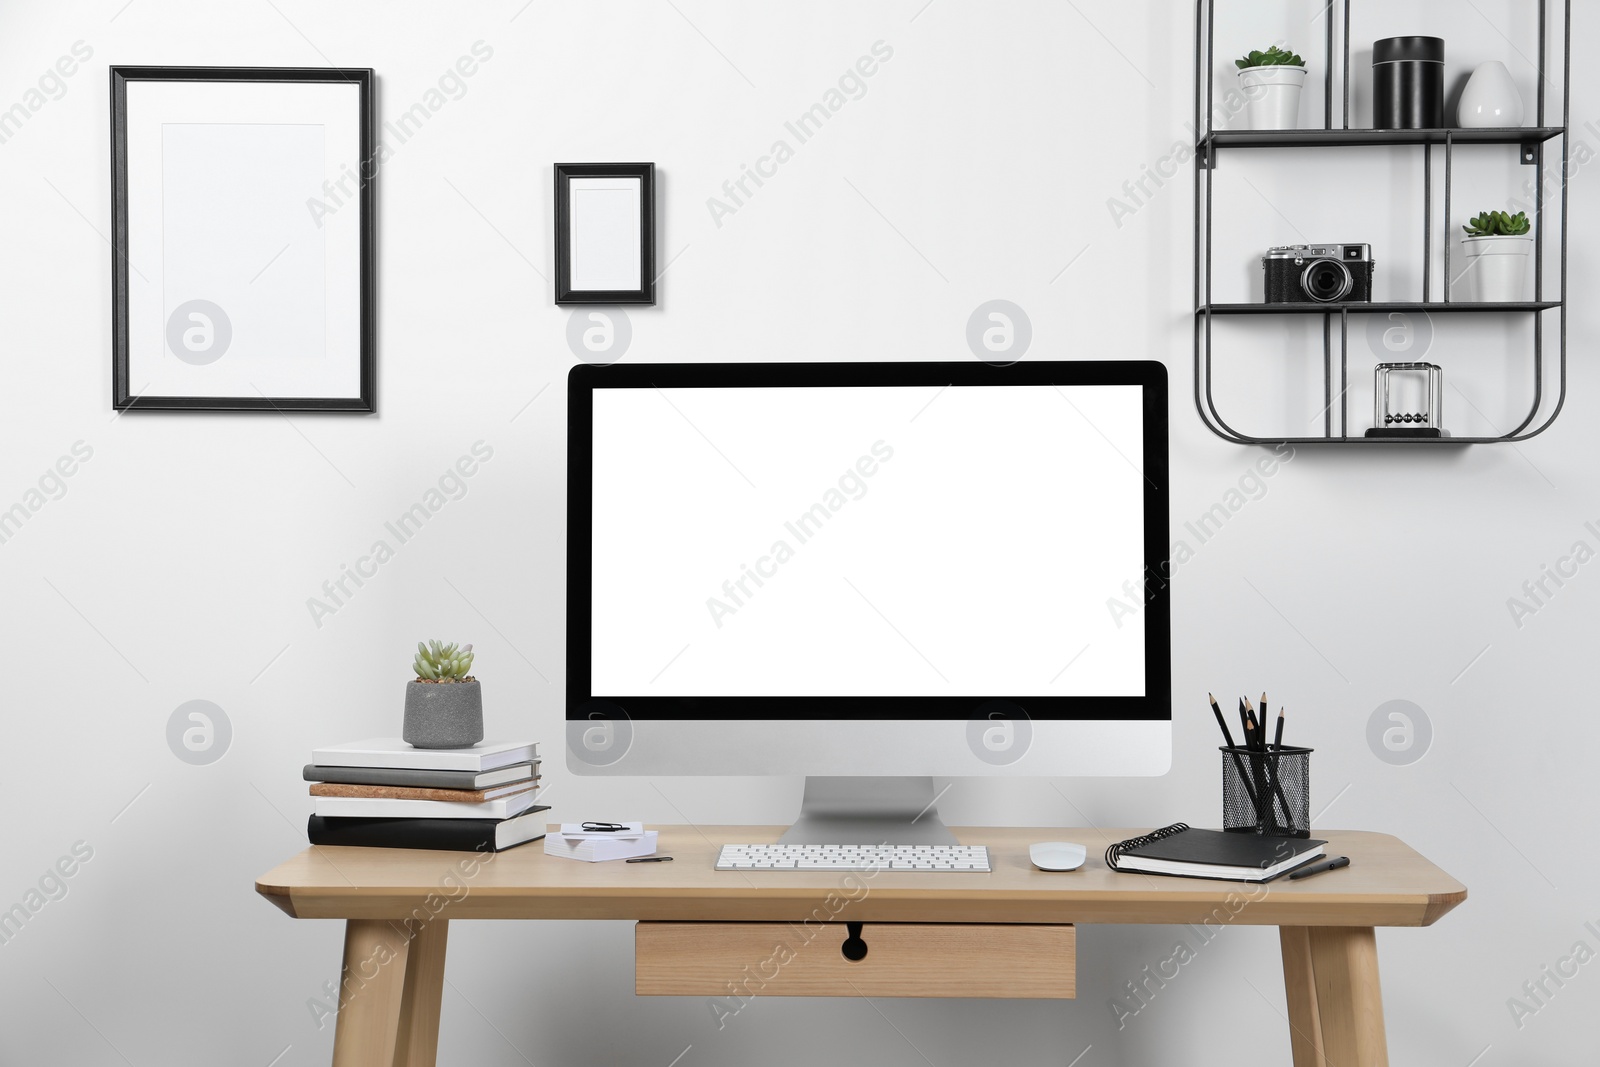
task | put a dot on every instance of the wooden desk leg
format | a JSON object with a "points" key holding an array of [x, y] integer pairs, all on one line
{"points": [[1300, 985], [418, 1043], [1330, 976], [392, 990]]}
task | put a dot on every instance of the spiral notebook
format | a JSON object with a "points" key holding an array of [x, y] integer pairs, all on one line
{"points": [[1233, 857]]}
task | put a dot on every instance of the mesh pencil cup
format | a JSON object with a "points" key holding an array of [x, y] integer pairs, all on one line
{"points": [[1267, 792]]}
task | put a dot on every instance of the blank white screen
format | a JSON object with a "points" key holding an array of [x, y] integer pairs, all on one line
{"points": [[962, 541]]}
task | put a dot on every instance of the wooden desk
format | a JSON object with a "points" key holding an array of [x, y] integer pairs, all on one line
{"points": [[398, 903]]}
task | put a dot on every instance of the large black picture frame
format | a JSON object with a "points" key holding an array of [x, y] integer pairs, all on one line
{"points": [[123, 397], [646, 292]]}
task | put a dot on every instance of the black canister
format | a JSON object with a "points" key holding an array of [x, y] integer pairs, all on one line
{"points": [[1408, 83]]}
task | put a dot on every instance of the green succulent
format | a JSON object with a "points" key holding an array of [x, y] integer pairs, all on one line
{"points": [[1272, 57], [439, 662], [1498, 224]]}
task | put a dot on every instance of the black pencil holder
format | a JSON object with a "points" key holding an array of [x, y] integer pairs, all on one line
{"points": [[1267, 792]]}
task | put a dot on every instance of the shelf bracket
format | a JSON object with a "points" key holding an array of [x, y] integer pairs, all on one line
{"points": [[1532, 153], [1204, 156]]}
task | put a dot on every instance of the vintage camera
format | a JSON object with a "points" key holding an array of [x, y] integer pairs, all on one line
{"points": [[1318, 274]]}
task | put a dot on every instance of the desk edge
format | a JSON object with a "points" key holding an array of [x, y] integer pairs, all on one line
{"points": [[280, 896], [1441, 904]]}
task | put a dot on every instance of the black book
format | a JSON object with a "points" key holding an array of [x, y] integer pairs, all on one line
{"points": [[1233, 857], [447, 835]]}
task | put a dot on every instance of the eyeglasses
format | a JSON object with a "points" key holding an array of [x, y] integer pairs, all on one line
{"points": [[604, 827]]}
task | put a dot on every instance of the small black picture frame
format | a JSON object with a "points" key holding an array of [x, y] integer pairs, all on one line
{"points": [[263, 240], [595, 259]]}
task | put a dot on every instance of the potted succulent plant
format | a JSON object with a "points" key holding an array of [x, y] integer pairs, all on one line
{"points": [[444, 705], [1497, 247], [1271, 81]]}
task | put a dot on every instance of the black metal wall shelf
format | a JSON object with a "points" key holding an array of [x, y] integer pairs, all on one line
{"points": [[1532, 142], [1384, 308], [1346, 138]]}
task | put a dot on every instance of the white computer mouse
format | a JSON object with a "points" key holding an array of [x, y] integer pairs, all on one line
{"points": [[1057, 855]]}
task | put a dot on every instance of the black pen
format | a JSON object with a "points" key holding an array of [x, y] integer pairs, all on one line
{"points": [[1317, 868], [666, 859]]}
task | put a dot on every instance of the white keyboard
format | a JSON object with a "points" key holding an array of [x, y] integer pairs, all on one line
{"points": [[853, 858]]}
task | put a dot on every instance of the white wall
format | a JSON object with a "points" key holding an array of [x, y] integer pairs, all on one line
{"points": [[977, 165]]}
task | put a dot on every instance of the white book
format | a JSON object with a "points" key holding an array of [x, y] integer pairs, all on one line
{"points": [[386, 808], [393, 752], [595, 850]]}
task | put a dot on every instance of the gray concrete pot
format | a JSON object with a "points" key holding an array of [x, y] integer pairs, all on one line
{"points": [[443, 714]]}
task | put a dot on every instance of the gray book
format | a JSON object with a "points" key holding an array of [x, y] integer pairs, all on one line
{"points": [[418, 778]]}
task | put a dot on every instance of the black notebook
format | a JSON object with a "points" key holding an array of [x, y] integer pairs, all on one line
{"points": [[450, 835], [1231, 857]]}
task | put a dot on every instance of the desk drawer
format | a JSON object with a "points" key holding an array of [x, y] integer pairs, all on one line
{"points": [[713, 959]]}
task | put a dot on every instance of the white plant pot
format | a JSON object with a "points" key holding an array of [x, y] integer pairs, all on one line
{"points": [[1490, 99], [1274, 96], [1497, 268]]}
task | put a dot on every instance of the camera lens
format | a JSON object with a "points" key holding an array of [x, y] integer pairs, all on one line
{"points": [[1327, 280]]}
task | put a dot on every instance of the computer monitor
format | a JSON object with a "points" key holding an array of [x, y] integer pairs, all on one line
{"points": [[848, 570]]}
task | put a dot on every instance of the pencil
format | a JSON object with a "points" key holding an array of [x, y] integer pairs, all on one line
{"points": [[1267, 779], [1227, 735], [1238, 763], [1253, 741], [1274, 773]]}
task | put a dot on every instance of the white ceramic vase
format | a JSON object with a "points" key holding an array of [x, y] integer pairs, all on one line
{"points": [[1274, 96], [1497, 267], [1490, 98]]}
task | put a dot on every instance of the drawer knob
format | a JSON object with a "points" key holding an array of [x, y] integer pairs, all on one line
{"points": [[854, 949]]}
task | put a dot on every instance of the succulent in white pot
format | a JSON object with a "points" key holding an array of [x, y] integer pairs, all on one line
{"points": [[444, 705], [1497, 247], [1271, 81]]}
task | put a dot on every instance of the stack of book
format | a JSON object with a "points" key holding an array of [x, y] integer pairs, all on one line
{"points": [[387, 794]]}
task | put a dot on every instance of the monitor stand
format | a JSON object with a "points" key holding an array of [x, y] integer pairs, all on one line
{"points": [[868, 811]]}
